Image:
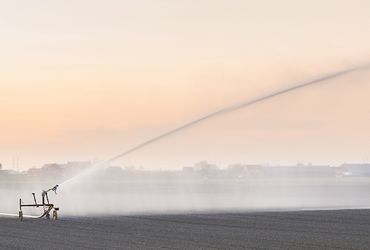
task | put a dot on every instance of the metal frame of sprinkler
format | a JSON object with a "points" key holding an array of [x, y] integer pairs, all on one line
{"points": [[46, 205]]}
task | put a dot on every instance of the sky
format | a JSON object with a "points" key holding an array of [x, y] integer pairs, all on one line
{"points": [[83, 80]]}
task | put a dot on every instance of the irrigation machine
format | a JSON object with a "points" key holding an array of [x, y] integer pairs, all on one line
{"points": [[45, 204]]}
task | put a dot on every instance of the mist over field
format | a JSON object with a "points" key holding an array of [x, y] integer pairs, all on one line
{"points": [[189, 196], [202, 188]]}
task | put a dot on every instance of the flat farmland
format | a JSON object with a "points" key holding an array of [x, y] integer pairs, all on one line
{"points": [[327, 229]]}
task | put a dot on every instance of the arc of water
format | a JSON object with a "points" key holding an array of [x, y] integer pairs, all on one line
{"points": [[236, 107]]}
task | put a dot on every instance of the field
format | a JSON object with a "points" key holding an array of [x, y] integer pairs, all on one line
{"points": [[335, 229]]}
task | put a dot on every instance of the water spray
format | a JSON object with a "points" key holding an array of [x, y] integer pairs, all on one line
{"points": [[230, 109]]}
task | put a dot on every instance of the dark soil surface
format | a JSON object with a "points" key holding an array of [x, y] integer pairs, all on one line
{"points": [[337, 229]]}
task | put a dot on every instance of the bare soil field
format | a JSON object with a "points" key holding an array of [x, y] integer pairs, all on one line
{"points": [[330, 229]]}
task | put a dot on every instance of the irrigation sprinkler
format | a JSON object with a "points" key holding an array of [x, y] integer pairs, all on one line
{"points": [[45, 204]]}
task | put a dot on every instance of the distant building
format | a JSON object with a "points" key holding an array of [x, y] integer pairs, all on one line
{"points": [[4, 172], [201, 169], [355, 169], [9, 172], [244, 170], [299, 171], [114, 171], [55, 170], [188, 170], [206, 169]]}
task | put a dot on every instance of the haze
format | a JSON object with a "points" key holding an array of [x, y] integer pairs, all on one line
{"points": [[86, 79]]}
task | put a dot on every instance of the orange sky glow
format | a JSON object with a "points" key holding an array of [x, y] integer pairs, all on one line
{"points": [[84, 80]]}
